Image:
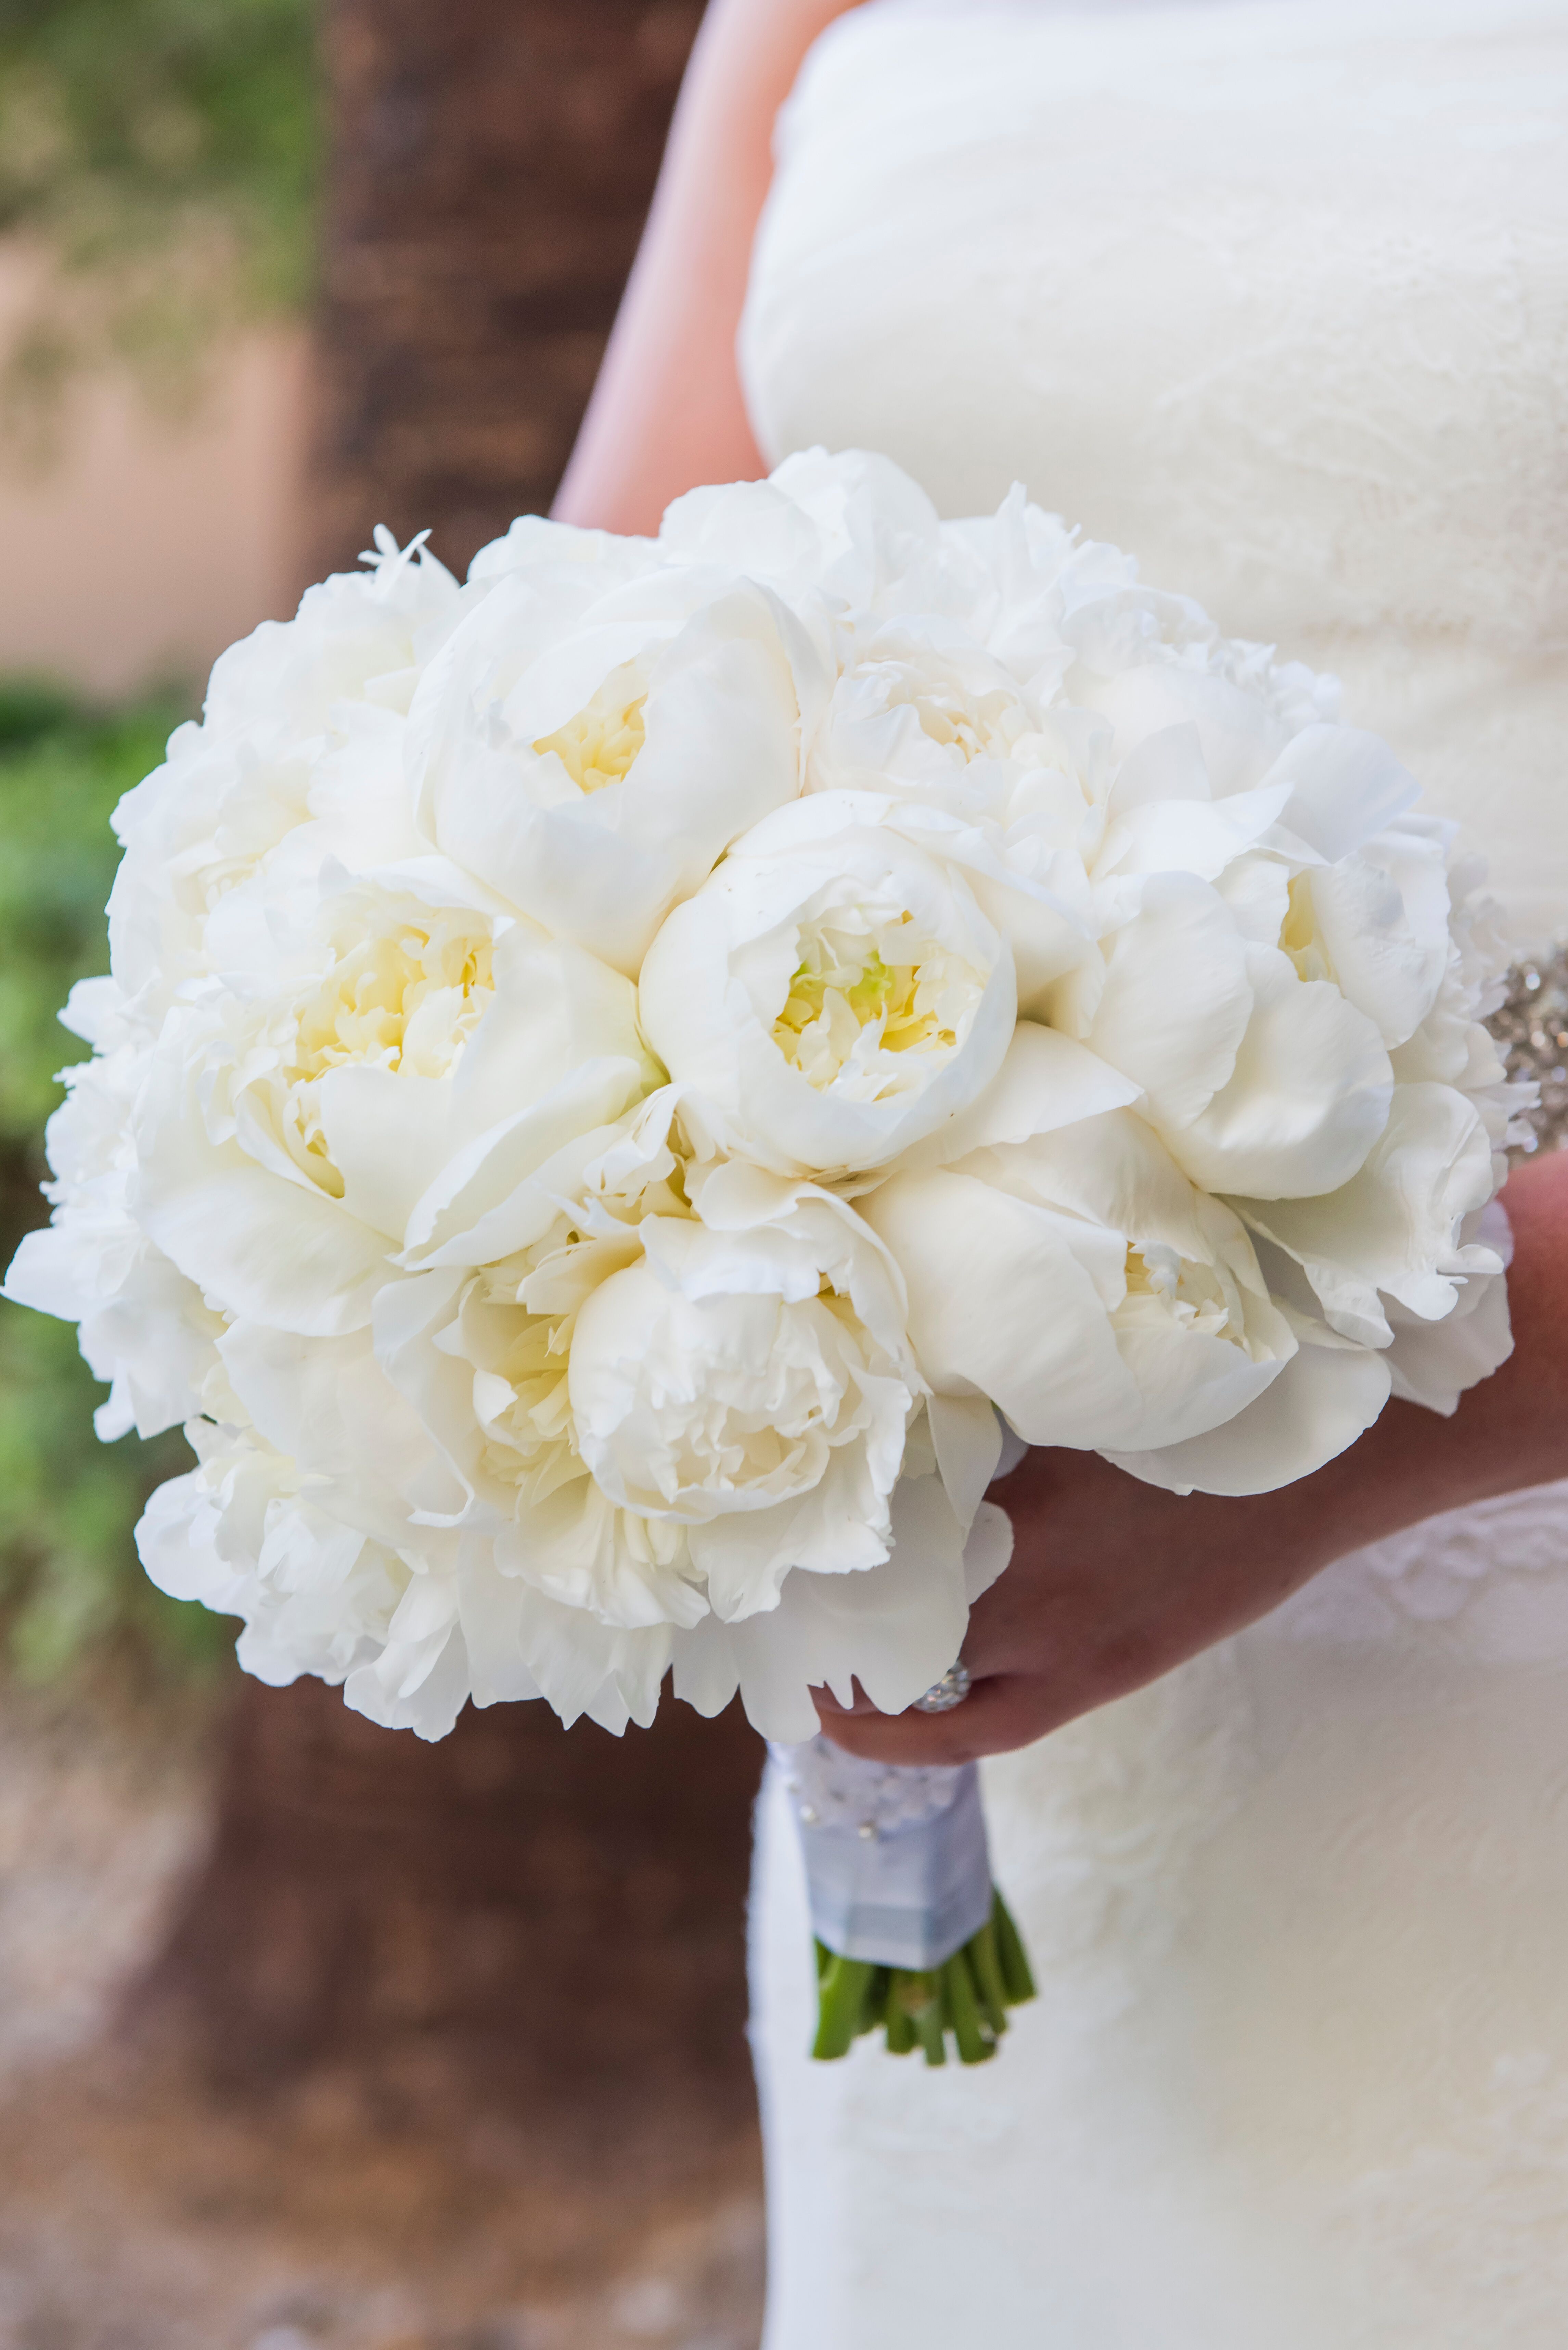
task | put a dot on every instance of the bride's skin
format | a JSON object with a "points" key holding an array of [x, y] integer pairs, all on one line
{"points": [[667, 411], [1112, 1582]]}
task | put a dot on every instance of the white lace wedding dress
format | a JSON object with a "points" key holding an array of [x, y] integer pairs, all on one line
{"points": [[1274, 294]]}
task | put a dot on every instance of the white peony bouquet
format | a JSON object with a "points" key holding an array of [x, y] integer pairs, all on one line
{"points": [[624, 1083]]}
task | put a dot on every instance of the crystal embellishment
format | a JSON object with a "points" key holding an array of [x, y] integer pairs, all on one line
{"points": [[1531, 1029]]}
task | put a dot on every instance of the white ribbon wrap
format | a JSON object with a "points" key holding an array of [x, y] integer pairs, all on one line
{"points": [[896, 1864]]}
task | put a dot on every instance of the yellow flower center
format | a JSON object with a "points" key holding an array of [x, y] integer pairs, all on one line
{"points": [[1196, 1295], [987, 724], [519, 1321], [1299, 935], [522, 1395], [956, 729], [871, 1000], [876, 991], [599, 746], [859, 992], [406, 998]]}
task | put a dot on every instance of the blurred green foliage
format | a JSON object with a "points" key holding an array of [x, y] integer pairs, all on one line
{"points": [[70, 1587], [164, 153]]}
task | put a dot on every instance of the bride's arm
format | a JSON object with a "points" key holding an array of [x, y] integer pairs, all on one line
{"points": [[1114, 1582], [667, 411]]}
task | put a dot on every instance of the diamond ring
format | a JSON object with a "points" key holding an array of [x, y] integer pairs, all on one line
{"points": [[943, 1695]]}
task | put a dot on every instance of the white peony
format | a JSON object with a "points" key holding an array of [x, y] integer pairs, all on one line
{"points": [[618, 1077], [602, 725], [1088, 1287], [295, 765], [751, 1367], [293, 1132], [298, 759], [535, 1474], [144, 1328], [674, 1386], [832, 995], [239, 1534]]}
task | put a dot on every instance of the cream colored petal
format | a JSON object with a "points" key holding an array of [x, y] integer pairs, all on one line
{"points": [[1309, 1094], [1320, 1403], [1000, 1304]]}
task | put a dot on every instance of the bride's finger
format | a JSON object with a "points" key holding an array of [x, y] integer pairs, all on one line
{"points": [[998, 1715]]}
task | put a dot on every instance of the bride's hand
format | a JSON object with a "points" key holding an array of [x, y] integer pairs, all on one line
{"points": [[1114, 1582]]}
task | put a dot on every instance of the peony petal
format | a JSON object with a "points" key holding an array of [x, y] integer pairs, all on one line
{"points": [[1113, 1171], [328, 1406], [1191, 1382], [1176, 1000], [1309, 1095], [1257, 893], [746, 1558], [173, 1543], [423, 1691], [555, 1009], [1344, 786], [437, 1385], [1000, 1304], [1186, 836], [988, 1552], [1167, 765], [392, 1135], [1046, 1082], [611, 1673], [1434, 1363], [492, 1609], [386, 1134], [895, 1628], [1322, 1399], [1241, 736], [1379, 962], [967, 1435], [261, 1248], [482, 1207], [1394, 1227]]}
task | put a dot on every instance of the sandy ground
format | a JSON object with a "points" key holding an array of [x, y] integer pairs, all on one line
{"points": [[136, 2213]]}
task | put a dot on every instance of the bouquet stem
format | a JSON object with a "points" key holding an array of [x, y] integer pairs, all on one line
{"points": [[912, 1938], [967, 1996]]}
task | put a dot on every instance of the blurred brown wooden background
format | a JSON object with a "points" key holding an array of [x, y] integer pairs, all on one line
{"points": [[492, 163]]}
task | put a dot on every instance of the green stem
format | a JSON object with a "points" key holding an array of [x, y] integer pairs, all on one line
{"points": [[1015, 1959], [968, 1995], [902, 2037], [924, 1993], [841, 2000], [987, 1965], [973, 2045], [875, 2010]]}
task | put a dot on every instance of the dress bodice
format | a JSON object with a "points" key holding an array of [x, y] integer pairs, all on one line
{"points": [[1272, 292]]}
